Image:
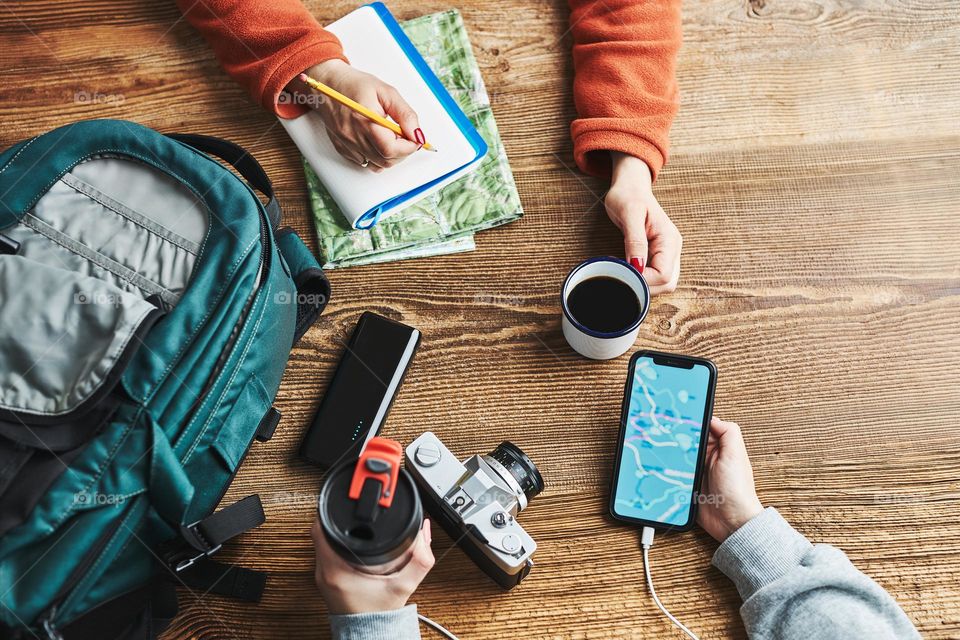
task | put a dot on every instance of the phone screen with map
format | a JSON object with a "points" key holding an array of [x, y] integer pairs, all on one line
{"points": [[666, 410]]}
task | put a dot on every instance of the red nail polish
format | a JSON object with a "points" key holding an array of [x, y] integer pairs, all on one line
{"points": [[637, 263]]}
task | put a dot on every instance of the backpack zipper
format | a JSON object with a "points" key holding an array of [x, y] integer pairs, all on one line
{"points": [[227, 350], [46, 619]]}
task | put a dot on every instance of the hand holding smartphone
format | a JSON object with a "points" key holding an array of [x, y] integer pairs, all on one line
{"points": [[667, 406]]}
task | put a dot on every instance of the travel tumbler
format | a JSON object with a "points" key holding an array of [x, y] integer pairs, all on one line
{"points": [[370, 510]]}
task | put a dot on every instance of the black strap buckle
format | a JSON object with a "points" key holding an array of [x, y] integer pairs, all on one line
{"points": [[181, 555], [204, 537]]}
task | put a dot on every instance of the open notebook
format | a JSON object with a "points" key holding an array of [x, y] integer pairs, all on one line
{"points": [[374, 42], [445, 221]]}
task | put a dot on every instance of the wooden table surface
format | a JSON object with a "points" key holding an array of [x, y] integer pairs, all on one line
{"points": [[815, 177]]}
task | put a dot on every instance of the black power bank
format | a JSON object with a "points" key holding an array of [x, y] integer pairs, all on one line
{"points": [[361, 391]]}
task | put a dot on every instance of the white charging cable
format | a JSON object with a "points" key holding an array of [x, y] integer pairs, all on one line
{"points": [[646, 541], [436, 625]]}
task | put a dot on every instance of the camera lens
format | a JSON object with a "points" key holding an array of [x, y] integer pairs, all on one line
{"points": [[520, 467]]}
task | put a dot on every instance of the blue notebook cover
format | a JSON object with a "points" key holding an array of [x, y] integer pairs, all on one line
{"points": [[450, 106]]}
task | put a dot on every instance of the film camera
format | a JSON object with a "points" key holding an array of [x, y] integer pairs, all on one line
{"points": [[477, 502]]}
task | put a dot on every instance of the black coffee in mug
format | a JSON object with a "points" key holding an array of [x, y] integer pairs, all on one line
{"points": [[604, 304]]}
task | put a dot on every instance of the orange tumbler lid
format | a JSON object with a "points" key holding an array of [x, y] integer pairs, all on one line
{"points": [[379, 461]]}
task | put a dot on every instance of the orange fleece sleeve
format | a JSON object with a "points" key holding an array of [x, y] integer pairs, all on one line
{"points": [[624, 87], [263, 44]]}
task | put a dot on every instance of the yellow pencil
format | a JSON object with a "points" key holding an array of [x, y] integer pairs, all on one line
{"points": [[359, 108]]}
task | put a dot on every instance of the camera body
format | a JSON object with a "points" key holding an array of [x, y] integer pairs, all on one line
{"points": [[477, 502]]}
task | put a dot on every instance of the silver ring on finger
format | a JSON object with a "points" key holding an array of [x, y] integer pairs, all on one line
{"points": [[365, 163]]}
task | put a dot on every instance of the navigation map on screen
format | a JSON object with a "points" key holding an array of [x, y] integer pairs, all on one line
{"points": [[662, 442]]}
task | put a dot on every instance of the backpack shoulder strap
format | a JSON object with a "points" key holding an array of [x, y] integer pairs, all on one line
{"points": [[245, 164], [313, 288]]}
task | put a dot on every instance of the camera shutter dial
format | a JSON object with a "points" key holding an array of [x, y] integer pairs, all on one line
{"points": [[511, 543], [427, 455]]}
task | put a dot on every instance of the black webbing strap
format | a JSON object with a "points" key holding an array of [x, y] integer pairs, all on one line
{"points": [[209, 576], [313, 291], [243, 162], [208, 534]]}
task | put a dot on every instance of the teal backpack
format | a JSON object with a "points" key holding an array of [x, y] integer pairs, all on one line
{"points": [[148, 305]]}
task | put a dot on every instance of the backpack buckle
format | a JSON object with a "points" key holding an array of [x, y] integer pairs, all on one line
{"points": [[205, 537], [186, 558], [181, 553]]}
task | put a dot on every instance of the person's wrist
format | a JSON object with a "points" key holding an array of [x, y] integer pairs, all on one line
{"points": [[338, 602], [327, 70], [630, 168], [356, 598], [741, 515]]}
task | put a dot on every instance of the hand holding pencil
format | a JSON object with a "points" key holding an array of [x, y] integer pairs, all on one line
{"points": [[353, 108]]}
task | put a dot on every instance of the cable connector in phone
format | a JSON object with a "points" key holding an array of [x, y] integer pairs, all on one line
{"points": [[646, 538]]}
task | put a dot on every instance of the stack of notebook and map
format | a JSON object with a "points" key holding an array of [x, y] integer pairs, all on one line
{"points": [[431, 203]]}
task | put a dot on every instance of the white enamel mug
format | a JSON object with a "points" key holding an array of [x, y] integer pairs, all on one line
{"points": [[597, 344]]}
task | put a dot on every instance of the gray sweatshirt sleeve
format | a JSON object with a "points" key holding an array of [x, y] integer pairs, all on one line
{"points": [[792, 589], [401, 624]]}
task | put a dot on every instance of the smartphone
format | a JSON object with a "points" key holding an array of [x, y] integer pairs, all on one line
{"points": [[361, 391], [667, 406]]}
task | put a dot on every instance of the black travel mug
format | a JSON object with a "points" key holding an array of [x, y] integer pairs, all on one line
{"points": [[370, 510]]}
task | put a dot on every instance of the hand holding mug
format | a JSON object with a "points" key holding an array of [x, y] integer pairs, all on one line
{"points": [[371, 539], [648, 233]]}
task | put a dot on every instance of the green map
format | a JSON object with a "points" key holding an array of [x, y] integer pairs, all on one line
{"points": [[445, 221]]}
